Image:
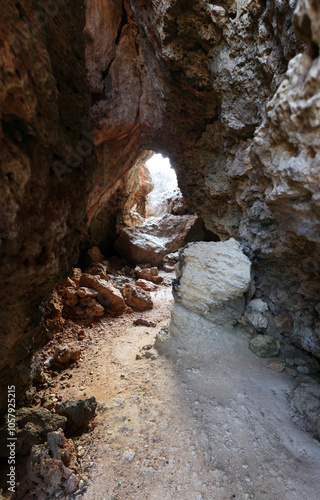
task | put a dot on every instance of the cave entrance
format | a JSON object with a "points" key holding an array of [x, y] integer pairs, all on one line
{"points": [[165, 190]]}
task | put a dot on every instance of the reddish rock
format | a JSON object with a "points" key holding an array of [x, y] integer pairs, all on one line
{"points": [[146, 285], [108, 296], [136, 297], [149, 274], [86, 292], [154, 239], [70, 296], [95, 254], [284, 322], [65, 354], [98, 269], [144, 322]]}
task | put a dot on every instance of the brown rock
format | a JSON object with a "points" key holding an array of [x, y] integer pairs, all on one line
{"points": [[89, 307], [95, 254], [65, 354], [149, 274], [108, 296], [136, 297], [98, 269], [148, 286], [86, 292], [168, 268], [144, 322], [70, 296], [151, 241], [284, 322]]}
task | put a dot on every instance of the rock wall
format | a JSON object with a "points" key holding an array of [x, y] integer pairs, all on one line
{"points": [[46, 163], [239, 83]]}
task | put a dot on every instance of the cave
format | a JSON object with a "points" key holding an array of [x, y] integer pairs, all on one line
{"points": [[208, 368]]}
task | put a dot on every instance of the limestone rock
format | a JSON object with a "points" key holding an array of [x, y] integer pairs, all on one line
{"points": [[108, 296], [136, 297], [148, 286], [151, 241], [79, 413], [264, 346], [213, 279]]}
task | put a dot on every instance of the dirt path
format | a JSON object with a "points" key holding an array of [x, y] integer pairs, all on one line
{"points": [[209, 421]]}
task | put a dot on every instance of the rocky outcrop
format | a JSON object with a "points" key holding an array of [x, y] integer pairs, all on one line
{"points": [[213, 279], [240, 132], [150, 242], [46, 164]]}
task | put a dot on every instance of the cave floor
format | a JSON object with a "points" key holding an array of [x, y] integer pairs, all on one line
{"points": [[209, 421]]}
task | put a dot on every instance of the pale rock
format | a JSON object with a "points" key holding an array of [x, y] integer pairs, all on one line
{"points": [[65, 354], [257, 320], [214, 278], [128, 455], [149, 274], [257, 305], [151, 241]]}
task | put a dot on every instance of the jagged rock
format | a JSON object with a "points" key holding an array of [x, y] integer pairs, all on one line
{"points": [[84, 292], [89, 307], [70, 296], [95, 254], [146, 285], [254, 314], [32, 427], [66, 354], [149, 274], [79, 413], [213, 279], [46, 469], [98, 269], [151, 241], [53, 318], [171, 258], [305, 399], [136, 297], [161, 338], [108, 296], [284, 322], [144, 322], [264, 346]]}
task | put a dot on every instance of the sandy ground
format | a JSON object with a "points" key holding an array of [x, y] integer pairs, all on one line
{"points": [[207, 420]]}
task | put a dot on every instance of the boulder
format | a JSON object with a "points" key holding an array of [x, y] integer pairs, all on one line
{"points": [[264, 346], [148, 286], [151, 241], [136, 297], [78, 412], [108, 296], [305, 399], [89, 307], [213, 279]]}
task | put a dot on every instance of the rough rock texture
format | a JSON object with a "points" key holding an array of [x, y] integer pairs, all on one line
{"points": [[46, 164], [213, 279], [264, 346], [137, 298], [241, 133], [108, 296], [155, 238], [32, 427], [79, 413]]}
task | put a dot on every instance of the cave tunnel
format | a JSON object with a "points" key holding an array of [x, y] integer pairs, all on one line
{"points": [[160, 331]]}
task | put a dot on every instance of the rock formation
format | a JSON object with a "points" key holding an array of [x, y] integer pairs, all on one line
{"points": [[227, 89]]}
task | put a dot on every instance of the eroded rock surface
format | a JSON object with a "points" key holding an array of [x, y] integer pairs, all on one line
{"points": [[213, 279]]}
